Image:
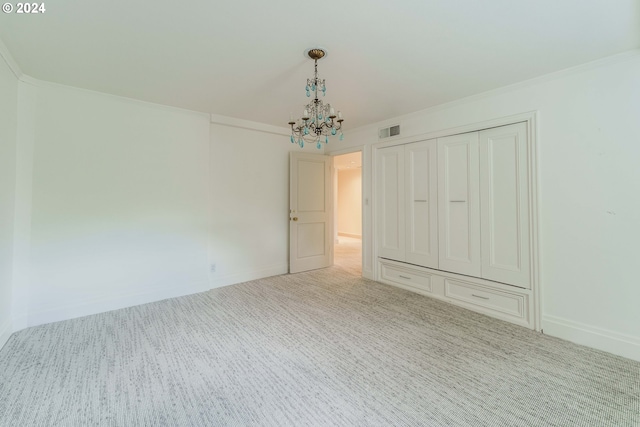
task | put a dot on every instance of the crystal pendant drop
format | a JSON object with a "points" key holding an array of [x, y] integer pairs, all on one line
{"points": [[307, 88], [292, 139], [301, 143], [308, 94], [341, 136], [306, 130], [333, 131], [319, 145], [313, 87], [326, 139]]}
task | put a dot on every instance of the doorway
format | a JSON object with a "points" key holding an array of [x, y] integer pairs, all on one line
{"points": [[347, 247]]}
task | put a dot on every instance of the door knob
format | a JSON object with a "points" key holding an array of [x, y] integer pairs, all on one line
{"points": [[295, 218]]}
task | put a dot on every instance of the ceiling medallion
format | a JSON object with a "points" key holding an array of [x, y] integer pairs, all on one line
{"points": [[318, 119]]}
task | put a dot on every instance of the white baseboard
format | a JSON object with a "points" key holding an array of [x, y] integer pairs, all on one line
{"points": [[19, 322], [368, 274], [6, 330], [115, 302], [602, 339], [355, 236], [112, 302], [232, 279]]}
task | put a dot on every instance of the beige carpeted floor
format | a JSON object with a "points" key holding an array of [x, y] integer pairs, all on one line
{"points": [[321, 348]]}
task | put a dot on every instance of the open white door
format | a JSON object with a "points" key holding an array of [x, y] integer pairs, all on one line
{"points": [[310, 212]]}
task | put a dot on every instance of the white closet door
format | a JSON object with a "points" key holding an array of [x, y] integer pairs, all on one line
{"points": [[390, 203], [458, 204], [421, 179], [505, 204]]}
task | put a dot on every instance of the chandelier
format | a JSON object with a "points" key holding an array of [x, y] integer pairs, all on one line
{"points": [[319, 120]]}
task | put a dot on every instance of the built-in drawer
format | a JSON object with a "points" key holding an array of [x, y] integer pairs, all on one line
{"points": [[507, 304], [406, 277]]}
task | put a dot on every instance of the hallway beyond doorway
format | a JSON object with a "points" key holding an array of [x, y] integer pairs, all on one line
{"points": [[348, 254]]}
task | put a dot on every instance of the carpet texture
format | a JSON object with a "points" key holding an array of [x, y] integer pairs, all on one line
{"points": [[324, 348]]}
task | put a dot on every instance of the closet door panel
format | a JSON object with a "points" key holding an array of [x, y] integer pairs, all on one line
{"points": [[505, 204], [458, 204], [390, 203], [421, 181]]}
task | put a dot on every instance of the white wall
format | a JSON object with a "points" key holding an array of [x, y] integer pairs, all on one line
{"points": [[589, 151], [119, 203], [250, 203], [8, 128], [350, 202], [111, 202]]}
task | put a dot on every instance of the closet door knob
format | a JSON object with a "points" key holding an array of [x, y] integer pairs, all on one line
{"points": [[295, 218]]}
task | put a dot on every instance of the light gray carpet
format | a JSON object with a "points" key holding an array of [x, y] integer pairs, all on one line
{"points": [[318, 348]]}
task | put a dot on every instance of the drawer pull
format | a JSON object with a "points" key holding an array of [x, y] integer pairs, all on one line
{"points": [[478, 296], [457, 201], [423, 201], [404, 277]]}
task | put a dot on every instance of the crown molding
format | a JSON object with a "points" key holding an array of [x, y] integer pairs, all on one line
{"points": [[598, 63], [25, 78], [11, 63], [52, 85], [213, 118], [248, 124]]}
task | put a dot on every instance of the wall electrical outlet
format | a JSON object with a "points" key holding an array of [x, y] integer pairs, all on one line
{"points": [[213, 268]]}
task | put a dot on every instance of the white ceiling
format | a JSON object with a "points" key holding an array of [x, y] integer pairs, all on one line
{"points": [[244, 58]]}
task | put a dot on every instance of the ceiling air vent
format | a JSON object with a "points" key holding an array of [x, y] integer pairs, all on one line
{"points": [[389, 132]]}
